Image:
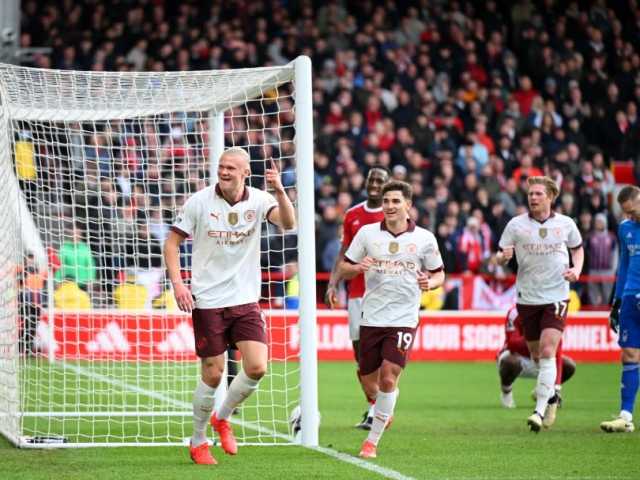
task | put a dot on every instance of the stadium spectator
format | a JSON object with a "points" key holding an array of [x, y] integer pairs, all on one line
{"points": [[76, 261], [31, 281], [530, 78], [601, 252]]}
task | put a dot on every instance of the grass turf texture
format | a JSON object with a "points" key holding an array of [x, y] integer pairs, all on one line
{"points": [[448, 424]]}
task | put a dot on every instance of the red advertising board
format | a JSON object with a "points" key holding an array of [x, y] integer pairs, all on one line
{"points": [[452, 336]]}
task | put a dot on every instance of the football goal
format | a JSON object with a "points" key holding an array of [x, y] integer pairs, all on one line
{"points": [[94, 167]]}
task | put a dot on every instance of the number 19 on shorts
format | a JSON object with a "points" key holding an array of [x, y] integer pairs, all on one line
{"points": [[404, 340]]}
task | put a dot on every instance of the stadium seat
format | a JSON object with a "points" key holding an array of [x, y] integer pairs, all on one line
{"points": [[130, 296], [166, 300], [623, 173], [433, 299], [574, 301], [69, 296]]}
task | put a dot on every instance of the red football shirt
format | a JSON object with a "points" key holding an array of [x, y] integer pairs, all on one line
{"points": [[514, 337], [354, 219]]}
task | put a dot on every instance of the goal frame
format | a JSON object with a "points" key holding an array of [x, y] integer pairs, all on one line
{"points": [[299, 72]]}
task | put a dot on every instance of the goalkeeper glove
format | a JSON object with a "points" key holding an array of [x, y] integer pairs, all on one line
{"points": [[614, 315]]}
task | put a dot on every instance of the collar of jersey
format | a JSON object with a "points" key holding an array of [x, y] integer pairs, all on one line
{"points": [[411, 226], [553, 214], [373, 210], [245, 195]]}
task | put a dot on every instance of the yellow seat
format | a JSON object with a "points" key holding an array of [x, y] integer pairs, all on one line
{"points": [[433, 299], [166, 300], [574, 301], [69, 296], [129, 296]]}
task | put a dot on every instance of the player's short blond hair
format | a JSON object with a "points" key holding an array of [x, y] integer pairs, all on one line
{"points": [[549, 185], [238, 151]]}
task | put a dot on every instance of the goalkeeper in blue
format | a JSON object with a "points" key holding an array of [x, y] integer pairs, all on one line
{"points": [[625, 312]]}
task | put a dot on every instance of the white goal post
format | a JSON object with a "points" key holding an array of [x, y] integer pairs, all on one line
{"points": [[93, 168]]}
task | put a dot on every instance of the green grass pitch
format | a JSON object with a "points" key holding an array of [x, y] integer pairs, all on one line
{"points": [[448, 425]]}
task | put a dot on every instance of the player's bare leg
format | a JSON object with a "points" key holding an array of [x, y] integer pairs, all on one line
{"points": [[545, 350], [509, 369], [387, 379], [254, 366], [211, 369]]}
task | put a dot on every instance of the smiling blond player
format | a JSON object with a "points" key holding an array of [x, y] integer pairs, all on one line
{"points": [[224, 222]]}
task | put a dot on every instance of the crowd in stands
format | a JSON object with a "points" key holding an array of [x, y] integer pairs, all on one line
{"points": [[464, 100]]}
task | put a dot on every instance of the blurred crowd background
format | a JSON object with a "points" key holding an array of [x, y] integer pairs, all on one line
{"points": [[462, 99]]}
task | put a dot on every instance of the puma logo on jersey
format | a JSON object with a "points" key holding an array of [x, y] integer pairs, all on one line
{"points": [[215, 216]]}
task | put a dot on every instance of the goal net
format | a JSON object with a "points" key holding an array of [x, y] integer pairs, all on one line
{"points": [[93, 350]]}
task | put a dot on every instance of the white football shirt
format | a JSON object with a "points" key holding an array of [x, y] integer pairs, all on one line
{"points": [[392, 294], [226, 245], [542, 252]]}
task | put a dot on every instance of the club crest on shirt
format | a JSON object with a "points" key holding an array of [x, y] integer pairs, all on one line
{"points": [[233, 218], [411, 248], [543, 232], [394, 247], [557, 232], [250, 215]]}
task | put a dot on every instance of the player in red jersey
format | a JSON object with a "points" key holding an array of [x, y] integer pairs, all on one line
{"points": [[364, 213], [514, 360]]}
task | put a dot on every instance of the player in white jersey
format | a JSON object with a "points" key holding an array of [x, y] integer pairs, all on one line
{"points": [[541, 241], [399, 260], [224, 222]]}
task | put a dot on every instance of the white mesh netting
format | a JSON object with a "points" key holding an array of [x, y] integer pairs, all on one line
{"points": [[104, 160]]}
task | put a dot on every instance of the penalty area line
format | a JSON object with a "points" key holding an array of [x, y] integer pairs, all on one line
{"points": [[343, 457]]}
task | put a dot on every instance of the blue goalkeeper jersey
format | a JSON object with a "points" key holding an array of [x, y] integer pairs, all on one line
{"points": [[628, 279]]}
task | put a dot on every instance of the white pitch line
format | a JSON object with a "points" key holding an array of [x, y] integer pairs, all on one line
{"points": [[343, 457], [358, 462]]}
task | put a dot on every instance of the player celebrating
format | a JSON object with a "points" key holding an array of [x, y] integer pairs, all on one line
{"points": [[399, 260], [539, 240], [356, 217], [514, 360], [224, 223], [625, 313]]}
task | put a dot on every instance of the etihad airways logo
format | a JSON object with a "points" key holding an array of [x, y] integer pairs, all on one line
{"points": [[230, 234], [393, 267]]}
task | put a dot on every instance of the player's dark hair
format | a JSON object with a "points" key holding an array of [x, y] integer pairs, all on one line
{"points": [[382, 168], [628, 192], [404, 187]]}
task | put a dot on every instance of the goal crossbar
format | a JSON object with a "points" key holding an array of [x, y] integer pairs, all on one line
{"points": [[176, 92]]}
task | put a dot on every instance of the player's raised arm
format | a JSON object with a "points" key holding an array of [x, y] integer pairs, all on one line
{"points": [[172, 262], [284, 215]]}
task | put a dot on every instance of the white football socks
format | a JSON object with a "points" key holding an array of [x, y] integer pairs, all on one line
{"points": [[545, 387], [385, 403], [203, 399], [241, 387]]}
